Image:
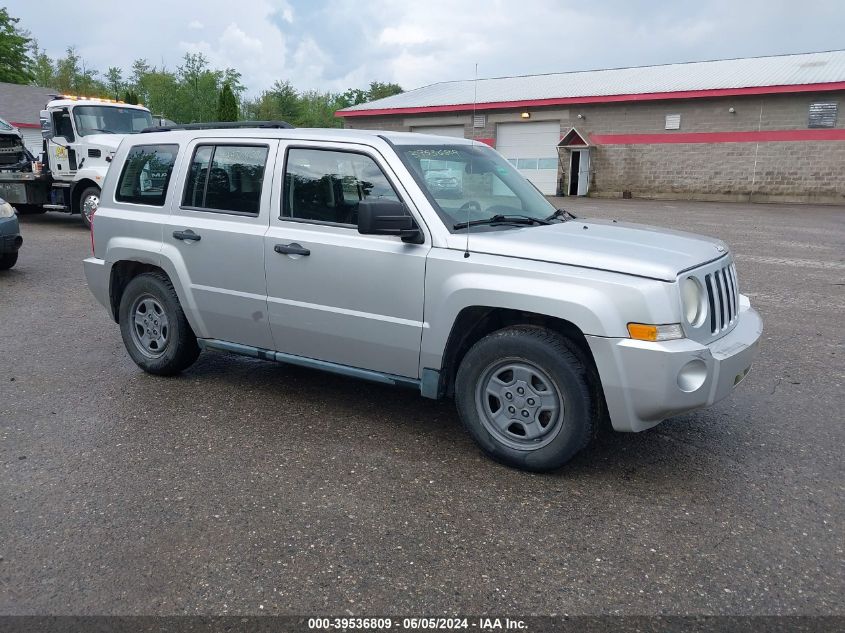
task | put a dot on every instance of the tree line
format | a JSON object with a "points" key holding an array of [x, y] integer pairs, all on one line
{"points": [[192, 92]]}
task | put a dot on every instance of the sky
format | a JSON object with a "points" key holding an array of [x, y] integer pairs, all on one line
{"points": [[332, 45]]}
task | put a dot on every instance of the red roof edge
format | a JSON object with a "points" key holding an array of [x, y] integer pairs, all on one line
{"points": [[30, 125], [648, 96]]}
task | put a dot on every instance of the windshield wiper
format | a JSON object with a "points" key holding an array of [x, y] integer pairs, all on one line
{"points": [[560, 214], [501, 219], [96, 129]]}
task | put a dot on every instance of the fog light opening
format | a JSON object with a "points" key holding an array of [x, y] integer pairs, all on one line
{"points": [[692, 376]]}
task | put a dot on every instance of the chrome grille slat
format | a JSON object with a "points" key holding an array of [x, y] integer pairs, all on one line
{"points": [[736, 286], [716, 321], [719, 281], [728, 296], [734, 306], [722, 303]]}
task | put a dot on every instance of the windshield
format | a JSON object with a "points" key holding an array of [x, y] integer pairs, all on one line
{"points": [[472, 182], [110, 120]]}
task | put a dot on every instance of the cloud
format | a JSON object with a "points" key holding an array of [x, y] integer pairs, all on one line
{"points": [[337, 44]]}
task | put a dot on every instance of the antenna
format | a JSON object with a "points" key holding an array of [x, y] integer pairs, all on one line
{"points": [[471, 169]]}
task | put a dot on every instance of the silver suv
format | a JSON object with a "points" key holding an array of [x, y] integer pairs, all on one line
{"points": [[332, 249]]}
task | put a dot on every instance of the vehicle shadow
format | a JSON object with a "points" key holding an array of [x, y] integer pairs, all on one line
{"points": [[52, 219], [339, 414]]}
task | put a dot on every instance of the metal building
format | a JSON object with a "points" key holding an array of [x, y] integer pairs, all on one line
{"points": [[764, 128]]}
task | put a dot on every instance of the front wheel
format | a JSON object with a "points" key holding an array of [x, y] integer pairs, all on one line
{"points": [[154, 328], [88, 203], [524, 397]]}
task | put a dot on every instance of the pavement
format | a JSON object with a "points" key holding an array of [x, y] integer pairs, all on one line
{"points": [[247, 487]]}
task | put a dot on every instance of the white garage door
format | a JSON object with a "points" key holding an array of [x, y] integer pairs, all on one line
{"points": [[32, 139], [440, 130], [532, 149]]}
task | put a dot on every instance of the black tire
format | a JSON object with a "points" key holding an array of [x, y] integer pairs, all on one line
{"points": [[178, 347], [7, 260], [88, 191], [554, 362]]}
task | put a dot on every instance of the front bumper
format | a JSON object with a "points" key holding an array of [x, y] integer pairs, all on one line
{"points": [[10, 235], [645, 383]]}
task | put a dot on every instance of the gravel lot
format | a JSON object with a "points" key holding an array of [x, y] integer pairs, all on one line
{"points": [[251, 487]]}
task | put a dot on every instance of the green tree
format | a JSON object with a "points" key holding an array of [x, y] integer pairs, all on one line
{"points": [[380, 90], [114, 81], [161, 93], [15, 63], [377, 90], [198, 86], [227, 105], [67, 71], [352, 97], [281, 102], [43, 69], [316, 109]]}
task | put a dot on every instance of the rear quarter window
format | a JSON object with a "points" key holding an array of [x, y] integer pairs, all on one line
{"points": [[146, 174]]}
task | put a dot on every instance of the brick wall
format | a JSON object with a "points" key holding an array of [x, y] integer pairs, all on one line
{"points": [[800, 171], [788, 172]]}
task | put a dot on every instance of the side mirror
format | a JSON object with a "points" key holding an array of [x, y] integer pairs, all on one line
{"points": [[388, 217], [46, 124]]}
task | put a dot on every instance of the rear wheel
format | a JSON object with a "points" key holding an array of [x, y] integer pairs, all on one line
{"points": [[7, 260], [154, 328], [88, 203], [524, 397]]}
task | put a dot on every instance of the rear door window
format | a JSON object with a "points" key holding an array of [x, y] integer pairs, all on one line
{"points": [[146, 174], [226, 178]]}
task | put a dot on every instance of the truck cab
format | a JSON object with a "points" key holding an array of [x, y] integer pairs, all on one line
{"points": [[81, 136]]}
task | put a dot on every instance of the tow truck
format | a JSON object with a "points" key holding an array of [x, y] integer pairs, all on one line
{"points": [[80, 136]]}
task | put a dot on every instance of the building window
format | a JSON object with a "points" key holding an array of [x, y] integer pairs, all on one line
{"points": [[673, 121], [822, 114], [479, 120]]}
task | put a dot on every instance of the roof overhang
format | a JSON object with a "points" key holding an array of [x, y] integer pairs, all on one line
{"points": [[565, 101], [573, 139]]}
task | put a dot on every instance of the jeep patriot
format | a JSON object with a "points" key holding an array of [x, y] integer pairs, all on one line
{"points": [[336, 250]]}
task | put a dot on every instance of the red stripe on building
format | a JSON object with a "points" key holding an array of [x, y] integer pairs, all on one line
{"points": [[32, 125], [762, 136], [648, 96], [487, 141]]}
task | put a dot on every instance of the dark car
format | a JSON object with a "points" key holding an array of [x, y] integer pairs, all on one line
{"points": [[10, 235]]}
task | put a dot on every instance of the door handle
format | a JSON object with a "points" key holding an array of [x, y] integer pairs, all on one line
{"points": [[291, 249], [186, 236]]}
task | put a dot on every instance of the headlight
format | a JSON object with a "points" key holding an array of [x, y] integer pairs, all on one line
{"points": [[692, 299], [6, 210]]}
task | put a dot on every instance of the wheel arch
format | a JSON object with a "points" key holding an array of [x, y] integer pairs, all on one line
{"points": [[126, 269], [76, 193], [475, 322]]}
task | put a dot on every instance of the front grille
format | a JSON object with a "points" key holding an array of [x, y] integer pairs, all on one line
{"points": [[11, 150], [723, 297]]}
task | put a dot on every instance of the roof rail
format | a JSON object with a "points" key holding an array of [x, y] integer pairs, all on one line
{"points": [[222, 125]]}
